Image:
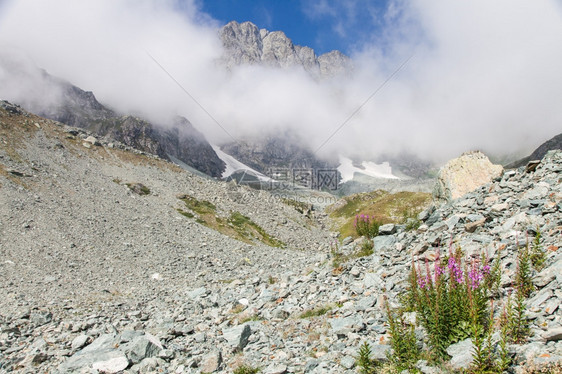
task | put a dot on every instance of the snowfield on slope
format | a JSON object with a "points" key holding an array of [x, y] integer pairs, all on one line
{"points": [[371, 169]]}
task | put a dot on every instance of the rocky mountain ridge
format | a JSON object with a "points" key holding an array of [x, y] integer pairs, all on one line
{"points": [[246, 44], [100, 278], [537, 154], [73, 106]]}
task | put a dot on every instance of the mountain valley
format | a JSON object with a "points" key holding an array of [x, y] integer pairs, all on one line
{"points": [[136, 241]]}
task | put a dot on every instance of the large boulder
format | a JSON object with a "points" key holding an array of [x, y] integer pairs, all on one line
{"points": [[465, 174]]}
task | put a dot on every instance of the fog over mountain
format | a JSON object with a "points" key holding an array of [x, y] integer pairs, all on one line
{"points": [[484, 75]]}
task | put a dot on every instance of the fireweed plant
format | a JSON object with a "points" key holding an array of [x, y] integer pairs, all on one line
{"points": [[450, 298], [366, 226], [453, 298]]}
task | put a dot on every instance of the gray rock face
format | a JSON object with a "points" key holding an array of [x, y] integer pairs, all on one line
{"points": [[244, 44]]}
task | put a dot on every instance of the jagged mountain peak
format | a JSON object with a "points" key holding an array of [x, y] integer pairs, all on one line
{"points": [[245, 44]]}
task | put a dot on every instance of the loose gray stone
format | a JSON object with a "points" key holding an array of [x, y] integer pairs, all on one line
{"points": [[553, 334], [372, 280], [381, 242], [100, 355], [211, 362], [379, 352], [143, 347], [79, 341], [346, 324], [472, 226], [551, 305], [387, 229], [275, 369], [347, 362], [237, 337], [461, 354], [198, 292], [41, 318]]}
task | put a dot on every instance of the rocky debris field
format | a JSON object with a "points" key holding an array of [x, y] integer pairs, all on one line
{"points": [[97, 278]]}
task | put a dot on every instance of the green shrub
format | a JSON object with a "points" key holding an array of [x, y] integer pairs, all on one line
{"points": [[523, 281], [537, 254], [364, 362], [453, 300], [448, 299], [366, 226], [405, 351]]}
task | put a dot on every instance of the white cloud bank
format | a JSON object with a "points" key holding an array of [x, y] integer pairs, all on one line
{"points": [[485, 74]]}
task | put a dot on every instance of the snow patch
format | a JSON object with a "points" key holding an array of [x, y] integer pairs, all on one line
{"points": [[371, 169], [233, 165]]}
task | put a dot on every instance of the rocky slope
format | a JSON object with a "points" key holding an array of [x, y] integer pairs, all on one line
{"points": [[61, 101], [245, 43], [97, 278], [554, 143]]}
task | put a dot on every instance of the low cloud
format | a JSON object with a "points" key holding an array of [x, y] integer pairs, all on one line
{"points": [[484, 75]]}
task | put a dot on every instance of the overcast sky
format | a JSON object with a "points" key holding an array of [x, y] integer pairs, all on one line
{"points": [[484, 74]]}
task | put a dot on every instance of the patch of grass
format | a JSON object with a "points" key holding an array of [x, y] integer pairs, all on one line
{"points": [[339, 258], [139, 188], [185, 214], [201, 207], [379, 205], [14, 130], [246, 228], [537, 253], [245, 369], [253, 317], [410, 219], [365, 250], [239, 308], [236, 225], [13, 178], [366, 226], [316, 312]]}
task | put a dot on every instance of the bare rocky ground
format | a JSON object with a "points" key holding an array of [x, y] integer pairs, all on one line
{"points": [[75, 238], [98, 278]]}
